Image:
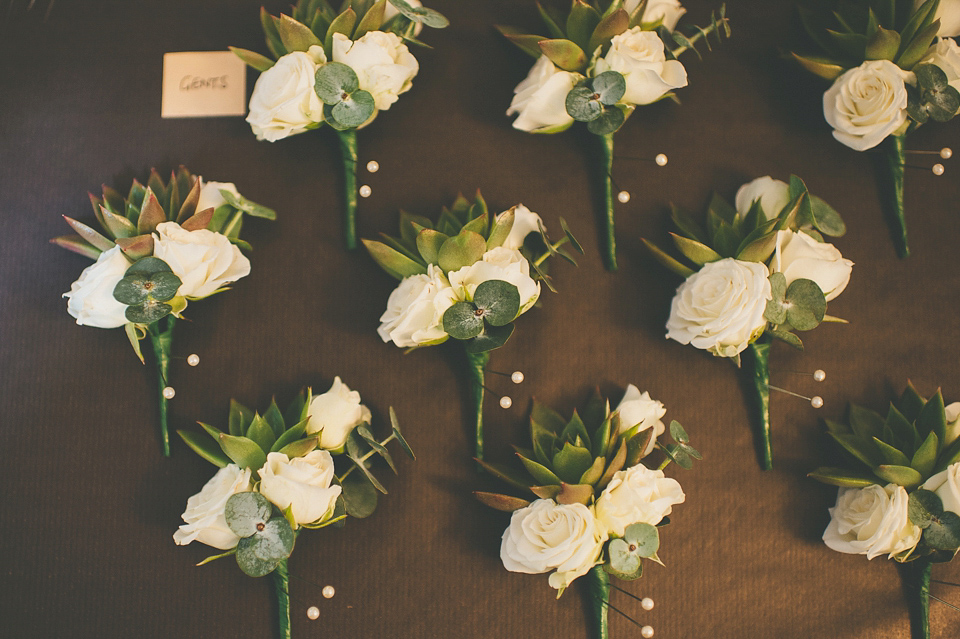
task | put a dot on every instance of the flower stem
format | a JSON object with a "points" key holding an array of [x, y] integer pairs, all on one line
{"points": [[760, 376], [599, 584], [348, 150], [477, 365], [281, 583], [916, 577], [893, 195], [162, 341], [606, 148]]}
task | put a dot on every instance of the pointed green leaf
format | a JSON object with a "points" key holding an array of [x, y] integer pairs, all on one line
{"points": [[344, 24], [372, 19], [429, 243], [89, 234], [918, 47], [666, 260], [883, 45], [900, 475], [865, 422], [613, 24], [564, 53], [393, 262], [261, 433], [932, 418], [581, 21], [503, 503], [571, 462], [862, 449], [842, 477], [925, 458], [463, 249], [693, 250], [252, 58], [507, 474], [574, 494], [823, 67], [891, 455], [205, 448], [240, 418], [151, 214], [300, 447], [615, 464], [243, 451], [528, 43], [540, 473]]}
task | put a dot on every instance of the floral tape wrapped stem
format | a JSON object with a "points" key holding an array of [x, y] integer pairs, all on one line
{"points": [[281, 587], [759, 362], [610, 243], [599, 584], [477, 363], [348, 150], [895, 164], [162, 342]]}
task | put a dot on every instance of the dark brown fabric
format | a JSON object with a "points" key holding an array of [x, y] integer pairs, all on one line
{"points": [[89, 505]]}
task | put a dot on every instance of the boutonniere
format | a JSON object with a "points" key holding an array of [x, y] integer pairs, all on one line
{"points": [[899, 490], [597, 508], [890, 74], [600, 61], [278, 475], [160, 247], [758, 270], [468, 276], [339, 69]]}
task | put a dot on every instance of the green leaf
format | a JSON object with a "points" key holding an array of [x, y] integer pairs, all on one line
{"points": [[582, 103], [359, 496], [300, 447], [240, 418], [608, 122], [335, 81], [823, 67], [613, 24], [609, 86], [372, 20], [461, 321], [574, 494], [428, 17], [296, 36], [259, 554], [461, 250], [252, 58], [290, 435], [571, 462], [429, 243], [247, 206], [581, 21], [274, 418], [505, 473], [151, 214], [901, 475], [667, 260], [883, 45], [924, 507], [147, 312], [615, 464], [261, 433], [499, 301], [932, 418], [393, 262], [504, 503], [204, 447], [891, 455], [491, 338], [842, 477], [243, 451], [758, 250], [902, 429], [926, 456], [865, 422], [90, 235], [624, 564], [547, 418], [776, 311], [944, 532], [593, 474], [862, 449], [645, 537], [540, 473], [918, 47], [246, 512], [911, 403], [693, 250], [344, 24], [806, 304], [354, 110], [564, 53], [825, 219], [528, 43]]}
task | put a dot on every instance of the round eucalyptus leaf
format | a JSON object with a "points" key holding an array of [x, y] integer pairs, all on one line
{"points": [[610, 86], [609, 121], [359, 496], [915, 107], [164, 286], [677, 432], [131, 290], [622, 559], [250, 563], [642, 539], [943, 533], [329, 119], [354, 110], [148, 312], [462, 321], [499, 300], [943, 105], [806, 304], [429, 17], [247, 512], [148, 266], [923, 507], [492, 337], [335, 81], [275, 541], [931, 77], [582, 104]]}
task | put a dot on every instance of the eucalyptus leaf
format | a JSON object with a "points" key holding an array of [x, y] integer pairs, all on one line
{"points": [[334, 82], [499, 301], [462, 321], [609, 87], [355, 109], [247, 513], [806, 304], [147, 312], [359, 496], [583, 104], [491, 338], [608, 122]]}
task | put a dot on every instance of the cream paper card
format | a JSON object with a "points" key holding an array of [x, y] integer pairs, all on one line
{"points": [[200, 84]]}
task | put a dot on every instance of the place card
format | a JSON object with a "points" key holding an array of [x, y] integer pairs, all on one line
{"points": [[199, 84]]}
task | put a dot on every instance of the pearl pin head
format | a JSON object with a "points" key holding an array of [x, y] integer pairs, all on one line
{"points": [[646, 632], [373, 166], [517, 377], [946, 153], [365, 191], [169, 392], [819, 375], [623, 197], [505, 402], [661, 159], [193, 360], [328, 592], [646, 603], [816, 401], [937, 169], [313, 612]]}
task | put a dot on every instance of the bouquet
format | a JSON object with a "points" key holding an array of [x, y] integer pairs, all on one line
{"points": [[278, 476], [468, 276], [162, 246], [339, 69], [763, 272], [597, 508], [890, 73], [599, 62], [899, 490]]}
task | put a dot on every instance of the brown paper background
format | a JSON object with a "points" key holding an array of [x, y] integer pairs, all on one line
{"points": [[89, 505]]}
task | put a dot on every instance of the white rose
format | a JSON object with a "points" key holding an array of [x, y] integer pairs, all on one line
{"points": [[500, 263], [390, 12], [210, 196], [946, 484], [866, 104], [301, 484], [547, 536], [949, 14], [669, 11], [871, 521], [720, 308], [284, 101], [953, 423], [540, 98], [382, 62], [773, 195], [637, 495], [204, 517], [636, 408], [800, 256], [414, 315], [335, 414], [203, 260], [639, 56], [525, 222], [946, 55], [90, 298]]}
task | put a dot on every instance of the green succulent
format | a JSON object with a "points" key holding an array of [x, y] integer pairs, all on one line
{"points": [[908, 446]]}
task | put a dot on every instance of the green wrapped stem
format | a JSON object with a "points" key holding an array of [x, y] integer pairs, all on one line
{"points": [[916, 577], [599, 585], [893, 191], [477, 365], [348, 150], [760, 378], [610, 240], [281, 584], [162, 342]]}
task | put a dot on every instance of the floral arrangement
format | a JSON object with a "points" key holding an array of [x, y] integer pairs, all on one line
{"points": [[468, 276], [763, 272], [340, 69], [890, 72], [599, 62], [162, 246], [899, 490], [598, 508], [278, 476]]}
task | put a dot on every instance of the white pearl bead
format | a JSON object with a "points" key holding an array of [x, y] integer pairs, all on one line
{"points": [[946, 153], [169, 392], [365, 191], [819, 375], [646, 632], [506, 402], [661, 159], [328, 592], [516, 377], [816, 401], [623, 196], [313, 612], [937, 169], [646, 603], [193, 360], [373, 166]]}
